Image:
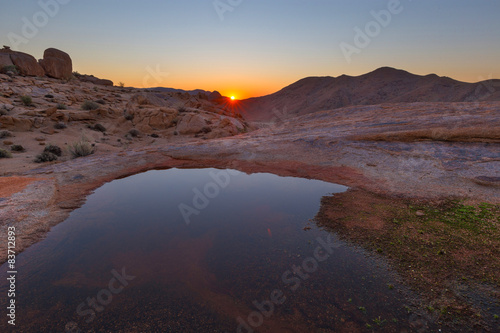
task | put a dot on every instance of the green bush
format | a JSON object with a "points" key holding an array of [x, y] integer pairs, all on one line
{"points": [[45, 156], [10, 68], [60, 125], [27, 100], [5, 154], [81, 148], [98, 128], [89, 105], [134, 133], [53, 149], [17, 148], [5, 134], [128, 116]]}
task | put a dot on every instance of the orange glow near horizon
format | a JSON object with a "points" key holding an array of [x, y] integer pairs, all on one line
{"points": [[244, 84]]}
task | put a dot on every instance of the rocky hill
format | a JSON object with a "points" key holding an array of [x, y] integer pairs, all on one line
{"points": [[38, 110], [384, 85]]}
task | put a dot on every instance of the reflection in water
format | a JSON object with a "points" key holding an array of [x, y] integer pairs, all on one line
{"points": [[185, 251]]}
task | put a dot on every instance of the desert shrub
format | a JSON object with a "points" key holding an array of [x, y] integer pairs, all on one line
{"points": [[45, 156], [60, 125], [182, 109], [134, 133], [121, 84], [128, 116], [61, 106], [17, 148], [49, 96], [5, 134], [81, 148], [5, 154], [10, 68], [100, 101], [53, 149], [206, 129], [27, 100], [89, 105], [75, 73], [98, 128], [154, 135]]}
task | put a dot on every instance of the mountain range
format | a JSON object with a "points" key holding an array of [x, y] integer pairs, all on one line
{"points": [[384, 85]]}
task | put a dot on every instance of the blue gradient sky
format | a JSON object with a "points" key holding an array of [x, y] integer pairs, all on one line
{"points": [[261, 45]]}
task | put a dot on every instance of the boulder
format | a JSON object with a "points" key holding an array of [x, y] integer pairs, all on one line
{"points": [[50, 111], [16, 124], [227, 126], [5, 60], [26, 64], [149, 120], [81, 116], [192, 123], [57, 64]]}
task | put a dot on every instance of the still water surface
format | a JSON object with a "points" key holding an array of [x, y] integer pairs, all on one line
{"points": [[202, 250]]}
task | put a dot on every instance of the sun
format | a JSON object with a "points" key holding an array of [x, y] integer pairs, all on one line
{"points": [[233, 98]]}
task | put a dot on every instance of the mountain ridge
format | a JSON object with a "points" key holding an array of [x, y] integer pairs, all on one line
{"points": [[383, 85]]}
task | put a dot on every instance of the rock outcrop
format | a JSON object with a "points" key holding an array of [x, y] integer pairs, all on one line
{"points": [[57, 64], [25, 63], [193, 123], [5, 60], [150, 120]]}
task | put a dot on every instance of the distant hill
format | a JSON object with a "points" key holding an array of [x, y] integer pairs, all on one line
{"points": [[384, 85], [191, 92]]}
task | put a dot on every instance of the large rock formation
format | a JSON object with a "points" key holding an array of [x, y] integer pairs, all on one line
{"points": [[26, 64], [5, 60], [57, 64], [150, 120], [193, 123]]}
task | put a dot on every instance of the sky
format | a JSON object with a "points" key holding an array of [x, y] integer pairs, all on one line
{"points": [[249, 48]]}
